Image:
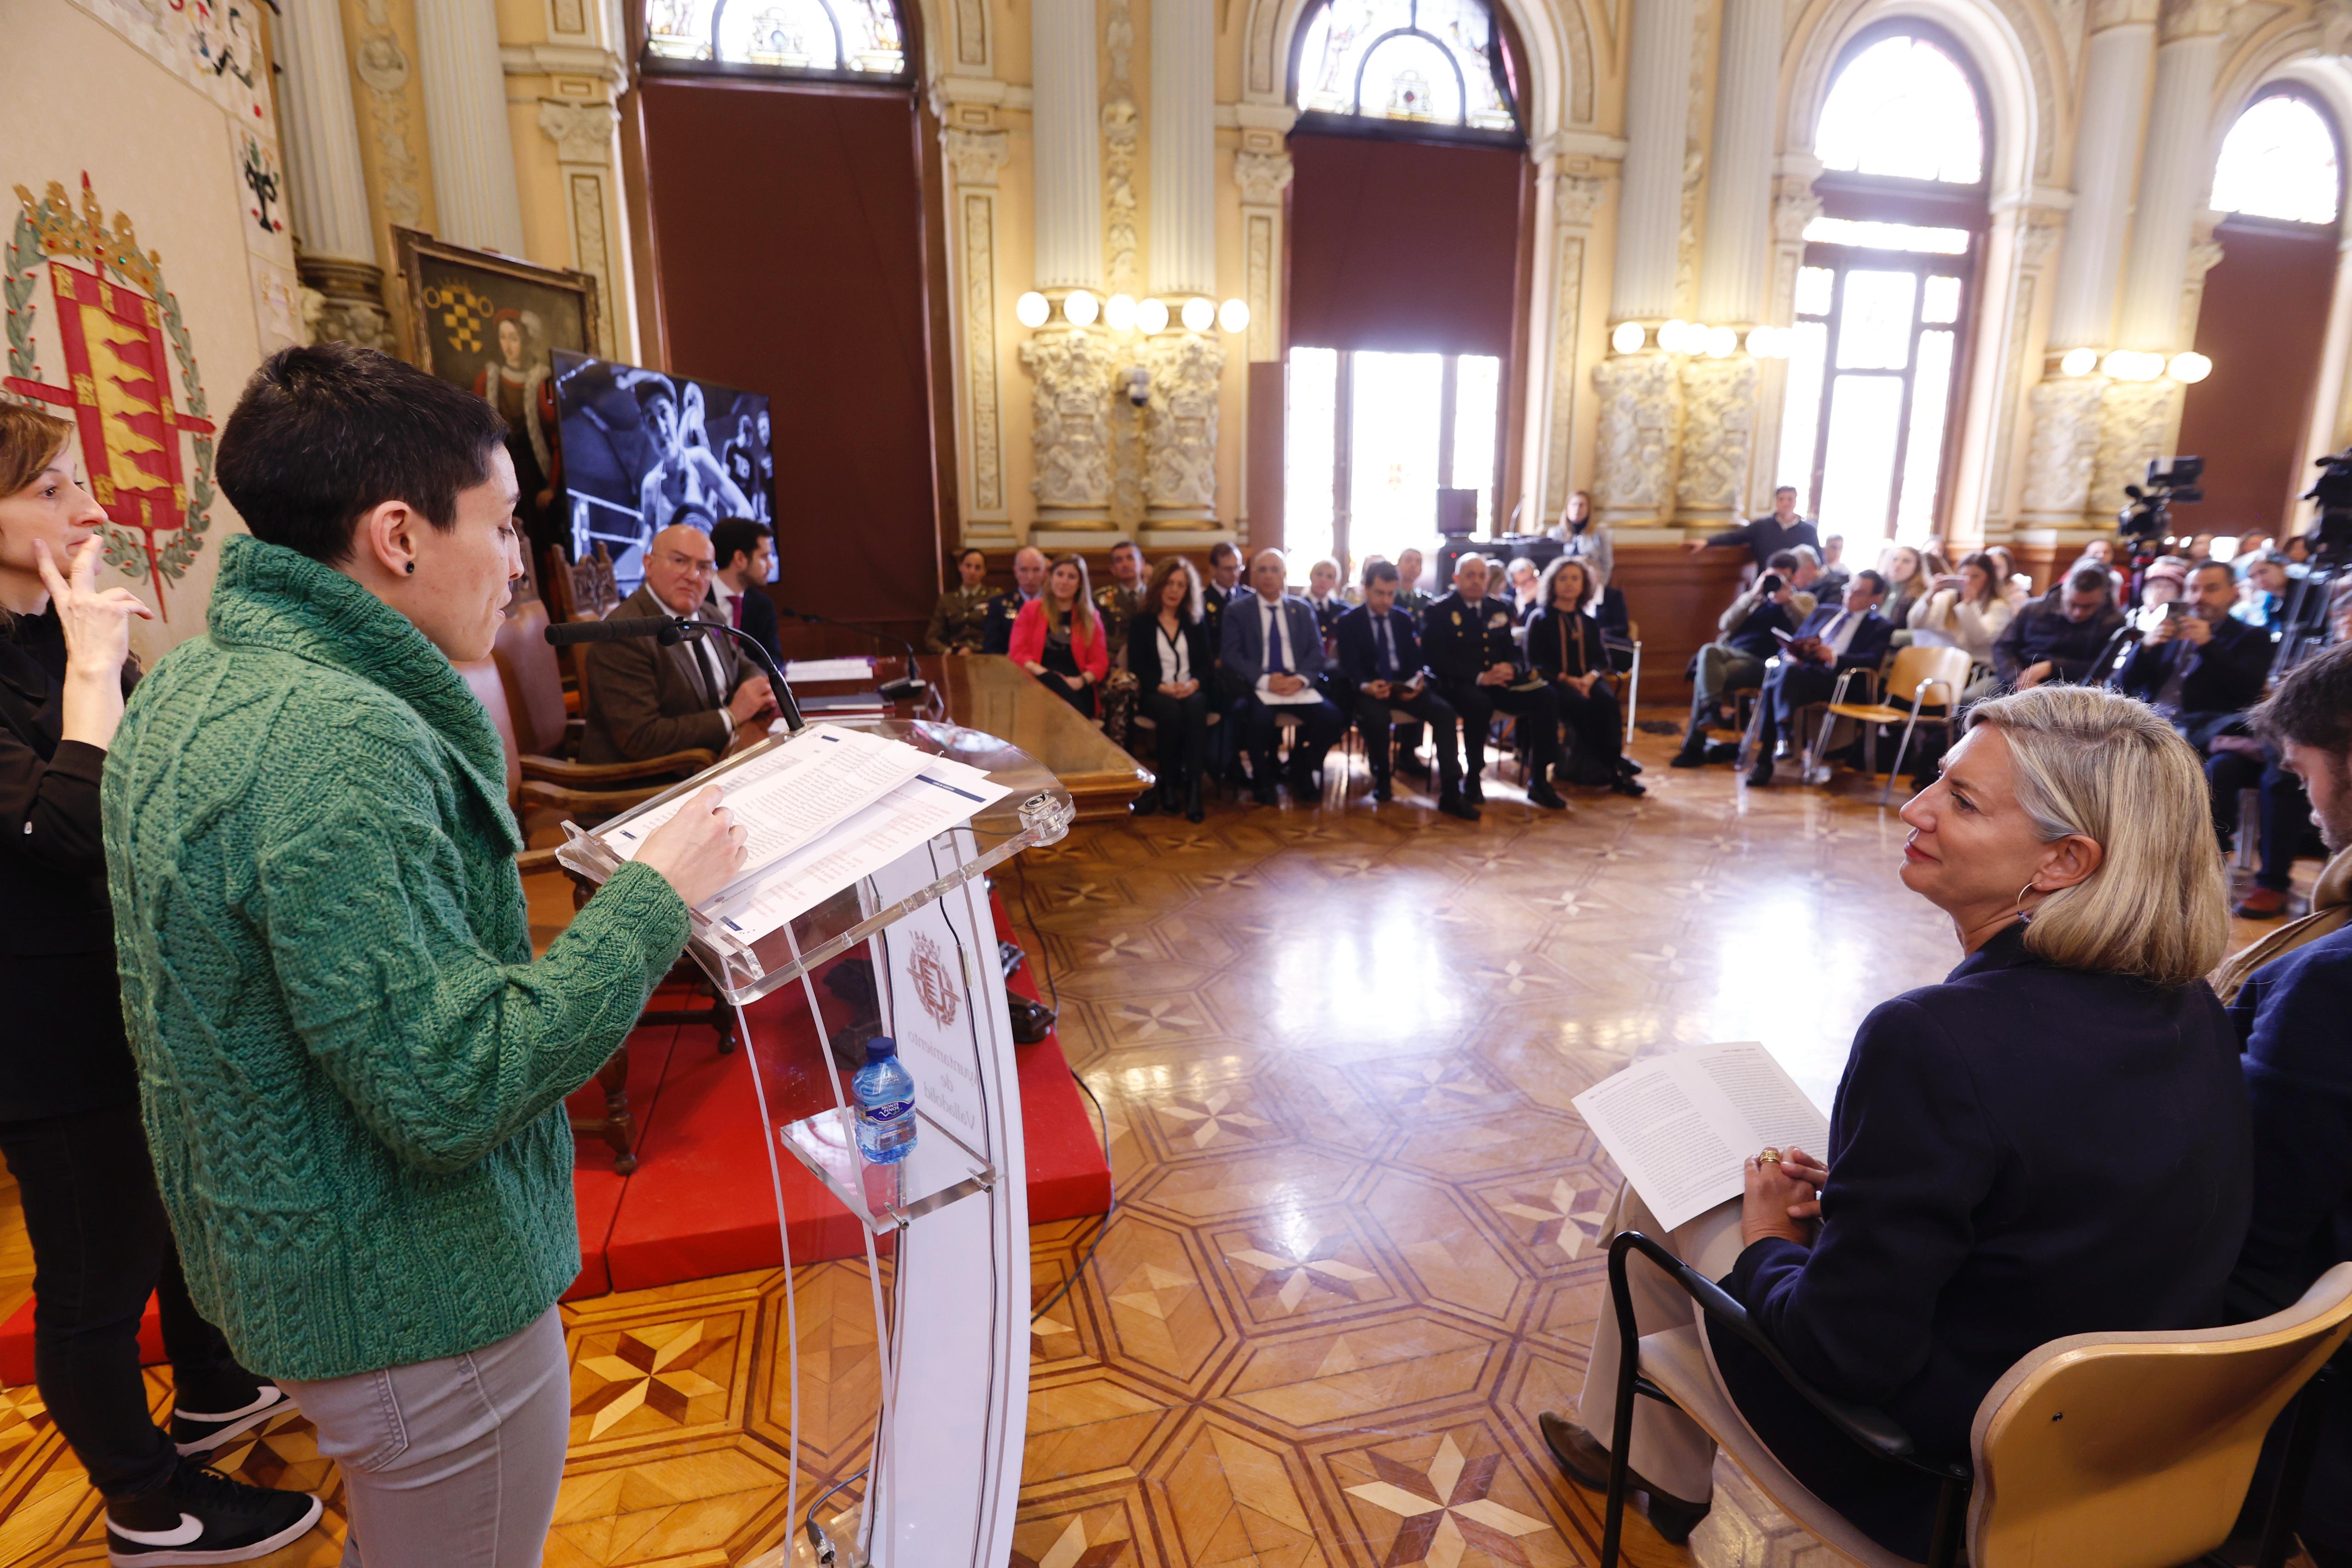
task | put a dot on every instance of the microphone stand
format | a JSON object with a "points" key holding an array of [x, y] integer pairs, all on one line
{"points": [[677, 629], [910, 684]]}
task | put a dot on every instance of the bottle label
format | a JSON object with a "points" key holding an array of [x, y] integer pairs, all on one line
{"points": [[888, 1111]]}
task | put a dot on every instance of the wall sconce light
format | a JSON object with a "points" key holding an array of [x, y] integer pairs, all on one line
{"points": [[1152, 317], [2133, 365], [1081, 308], [1200, 315], [1722, 342], [2079, 363], [1033, 310], [1234, 316], [1628, 338], [1118, 312], [2190, 367]]}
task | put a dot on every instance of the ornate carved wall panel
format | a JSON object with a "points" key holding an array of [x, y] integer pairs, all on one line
{"points": [[1069, 410], [2137, 420], [1262, 177], [1719, 439], [2066, 422], [1180, 429], [974, 159], [1641, 434], [1575, 200]]}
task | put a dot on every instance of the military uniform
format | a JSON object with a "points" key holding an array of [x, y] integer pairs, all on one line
{"points": [[959, 622], [1460, 641], [1117, 607], [996, 622]]}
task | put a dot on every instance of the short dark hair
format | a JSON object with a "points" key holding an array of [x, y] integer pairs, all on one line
{"points": [[1220, 550], [968, 552], [326, 432], [2090, 580], [2313, 706], [1877, 583], [1784, 490], [731, 537], [1381, 571], [2209, 564], [1782, 560]]}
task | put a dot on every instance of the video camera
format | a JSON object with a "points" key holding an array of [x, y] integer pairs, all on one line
{"points": [[2170, 480], [2331, 541]]}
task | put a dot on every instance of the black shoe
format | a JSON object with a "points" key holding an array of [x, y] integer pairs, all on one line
{"points": [[1761, 773], [1629, 765], [1474, 790], [1542, 794], [1192, 809], [1584, 1461], [194, 1434], [1627, 784], [201, 1516], [1452, 803], [1145, 804], [1382, 789], [1723, 751], [1263, 793], [1692, 755]]}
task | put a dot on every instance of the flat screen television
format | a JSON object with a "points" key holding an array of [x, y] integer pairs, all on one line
{"points": [[643, 450]]}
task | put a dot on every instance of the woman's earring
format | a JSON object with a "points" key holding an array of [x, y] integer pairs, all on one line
{"points": [[2028, 891]]}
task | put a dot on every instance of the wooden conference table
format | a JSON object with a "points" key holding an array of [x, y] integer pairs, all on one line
{"points": [[991, 693]]}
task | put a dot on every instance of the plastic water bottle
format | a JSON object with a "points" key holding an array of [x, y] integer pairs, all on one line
{"points": [[885, 1103]]}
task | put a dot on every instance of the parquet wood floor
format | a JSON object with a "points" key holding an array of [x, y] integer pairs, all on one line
{"points": [[1354, 1250]]}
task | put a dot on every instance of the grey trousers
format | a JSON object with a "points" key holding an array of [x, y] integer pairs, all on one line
{"points": [[1721, 670], [451, 1463], [1670, 1450]]}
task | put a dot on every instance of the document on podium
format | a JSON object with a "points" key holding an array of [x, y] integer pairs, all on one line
{"points": [[1682, 1126], [794, 795]]}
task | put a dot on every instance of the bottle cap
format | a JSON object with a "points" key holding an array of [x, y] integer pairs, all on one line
{"points": [[880, 1046]]}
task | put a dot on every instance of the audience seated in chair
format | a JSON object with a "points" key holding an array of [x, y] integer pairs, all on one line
{"points": [[1380, 659], [1564, 647], [1274, 654], [1834, 640], [959, 619], [1167, 654], [1474, 664], [1323, 598], [2057, 637], [1993, 1180], [1734, 662], [1028, 582], [1058, 637], [645, 699]]}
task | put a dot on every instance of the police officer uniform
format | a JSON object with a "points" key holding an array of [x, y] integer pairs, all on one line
{"points": [[996, 625], [1460, 640]]}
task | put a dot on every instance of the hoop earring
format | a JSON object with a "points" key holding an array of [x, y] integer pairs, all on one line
{"points": [[2024, 892]]}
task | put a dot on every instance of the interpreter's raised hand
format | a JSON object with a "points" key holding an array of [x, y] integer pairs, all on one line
{"points": [[753, 699], [95, 622], [1772, 1192], [699, 851]]}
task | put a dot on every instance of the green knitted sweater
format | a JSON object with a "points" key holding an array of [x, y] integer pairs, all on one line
{"points": [[352, 1072]]}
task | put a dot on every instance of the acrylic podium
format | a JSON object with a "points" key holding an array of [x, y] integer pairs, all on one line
{"points": [[910, 951]]}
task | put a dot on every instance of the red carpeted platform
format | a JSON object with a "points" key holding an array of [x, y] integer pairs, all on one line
{"points": [[699, 1202]]}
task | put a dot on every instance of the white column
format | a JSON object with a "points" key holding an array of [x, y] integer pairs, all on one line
{"points": [[2174, 179], [327, 184], [1737, 254], [466, 131], [2114, 92], [1183, 147], [1068, 160], [1650, 208]]}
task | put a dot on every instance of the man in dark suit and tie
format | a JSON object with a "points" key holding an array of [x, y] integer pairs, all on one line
{"points": [[1380, 658], [647, 700], [745, 552], [1833, 640], [1466, 641], [1028, 579], [1273, 651]]}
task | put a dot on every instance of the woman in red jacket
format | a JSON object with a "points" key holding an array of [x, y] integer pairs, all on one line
{"points": [[1059, 639]]}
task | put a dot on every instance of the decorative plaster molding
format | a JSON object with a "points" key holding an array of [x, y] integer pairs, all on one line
{"points": [[1575, 198], [1069, 417], [2136, 423], [1567, 316], [1180, 426], [975, 157], [1719, 433], [2106, 13], [1122, 133], [583, 132], [971, 32], [2190, 18], [1641, 434], [1263, 176], [986, 91], [564, 60], [1794, 207], [980, 397], [2065, 445], [1258, 251], [383, 69], [590, 250]]}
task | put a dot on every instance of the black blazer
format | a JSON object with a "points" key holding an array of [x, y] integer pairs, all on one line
{"points": [[52, 860], [760, 621], [2021, 1153], [2226, 675], [1545, 628], [1359, 656], [1143, 652]]}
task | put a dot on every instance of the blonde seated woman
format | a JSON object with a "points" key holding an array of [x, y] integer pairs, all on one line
{"points": [[2054, 1141]]}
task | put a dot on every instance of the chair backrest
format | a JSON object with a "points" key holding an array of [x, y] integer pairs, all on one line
{"points": [[490, 690], [556, 575], [2134, 1450], [535, 681], [594, 591], [1947, 666]]}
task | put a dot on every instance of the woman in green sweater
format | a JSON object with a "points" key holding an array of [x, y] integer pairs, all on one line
{"points": [[351, 1070]]}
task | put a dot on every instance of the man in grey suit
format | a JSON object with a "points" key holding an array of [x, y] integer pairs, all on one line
{"points": [[1273, 650], [647, 700]]}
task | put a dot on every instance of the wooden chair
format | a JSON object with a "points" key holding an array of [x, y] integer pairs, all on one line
{"points": [[2101, 1450], [1917, 672], [1631, 692], [579, 591]]}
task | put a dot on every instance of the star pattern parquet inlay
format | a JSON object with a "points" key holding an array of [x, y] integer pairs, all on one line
{"points": [[1355, 1254]]}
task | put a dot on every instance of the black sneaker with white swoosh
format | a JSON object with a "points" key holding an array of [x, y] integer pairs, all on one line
{"points": [[196, 1434], [201, 1516]]}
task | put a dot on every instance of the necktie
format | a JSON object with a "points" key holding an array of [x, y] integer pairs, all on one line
{"points": [[1388, 650], [735, 612], [698, 651], [1279, 627], [1830, 632]]}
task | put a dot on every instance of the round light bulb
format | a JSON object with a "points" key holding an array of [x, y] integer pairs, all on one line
{"points": [[2079, 363], [2190, 367], [1759, 342], [1722, 342], [1152, 317], [1200, 315], [2134, 365], [1234, 316], [1672, 337], [1628, 338], [1118, 312], [1081, 308], [1033, 310]]}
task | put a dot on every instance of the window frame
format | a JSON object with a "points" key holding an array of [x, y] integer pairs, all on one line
{"points": [[1504, 61], [2318, 106], [906, 77]]}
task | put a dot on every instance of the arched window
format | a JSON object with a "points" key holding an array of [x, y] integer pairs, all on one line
{"points": [[1901, 107], [853, 40], [1420, 62], [1887, 292], [2279, 162]]}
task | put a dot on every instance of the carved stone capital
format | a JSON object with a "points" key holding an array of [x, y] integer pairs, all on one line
{"points": [[1069, 416], [2039, 233], [1794, 206], [2065, 446], [1261, 177], [974, 157], [583, 132], [2190, 18], [342, 301], [2106, 13], [2334, 20], [1718, 431], [1641, 434], [1180, 427], [2136, 423], [1575, 198]]}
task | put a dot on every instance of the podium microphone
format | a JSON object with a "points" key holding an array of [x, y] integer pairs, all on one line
{"points": [[670, 631], [910, 684]]}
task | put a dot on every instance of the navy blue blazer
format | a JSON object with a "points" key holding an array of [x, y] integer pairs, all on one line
{"points": [[2295, 1015], [1359, 659], [1244, 638], [2021, 1153], [1870, 638], [2226, 675]]}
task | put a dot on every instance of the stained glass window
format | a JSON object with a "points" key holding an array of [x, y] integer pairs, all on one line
{"points": [[1430, 62], [858, 38], [1903, 108], [2278, 161]]}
